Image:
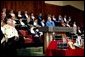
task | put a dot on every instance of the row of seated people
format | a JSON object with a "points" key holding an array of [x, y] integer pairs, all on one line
{"points": [[31, 17]]}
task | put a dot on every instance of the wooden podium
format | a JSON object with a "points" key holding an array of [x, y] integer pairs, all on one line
{"points": [[48, 33]]}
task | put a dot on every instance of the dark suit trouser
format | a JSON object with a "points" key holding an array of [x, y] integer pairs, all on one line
{"points": [[9, 48]]}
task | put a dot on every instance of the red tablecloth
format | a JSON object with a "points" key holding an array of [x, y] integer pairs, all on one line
{"points": [[52, 50]]}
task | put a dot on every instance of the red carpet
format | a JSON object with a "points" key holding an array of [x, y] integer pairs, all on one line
{"points": [[52, 50]]}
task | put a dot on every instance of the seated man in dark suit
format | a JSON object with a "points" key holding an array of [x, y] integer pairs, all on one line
{"points": [[54, 19], [39, 18], [42, 23]]}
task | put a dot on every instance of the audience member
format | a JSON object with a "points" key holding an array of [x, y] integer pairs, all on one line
{"points": [[39, 18], [65, 20], [32, 16], [54, 19], [10, 38], [19, 14], [3, 14], [49, 22], [75, 27], [42, 23]]}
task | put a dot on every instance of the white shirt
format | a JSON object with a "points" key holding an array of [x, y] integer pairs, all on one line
{"points": [[35, 24], [19, 15], [12, 14], [69, 19], [9, 31], [3, 39], [26, 15], [42, 24], [32, 31], [79, 31], [2, 29], [22, 23], [33, 17], [54, 19], [67, 25], [65, 19], [60, 18], [74, 25]]}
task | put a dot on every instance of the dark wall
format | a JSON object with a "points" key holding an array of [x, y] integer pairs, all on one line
{"points": [[39, 6], [18, 5], [30, 6], [53, 9], [76, 14]]}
